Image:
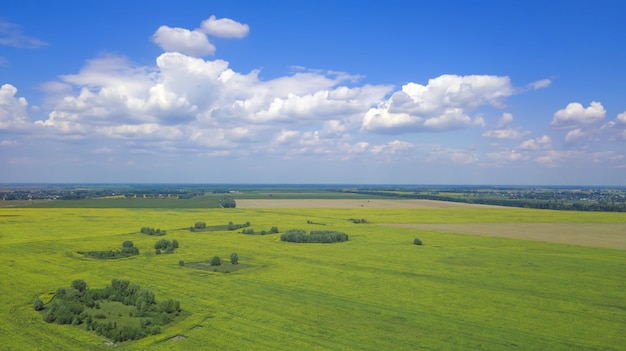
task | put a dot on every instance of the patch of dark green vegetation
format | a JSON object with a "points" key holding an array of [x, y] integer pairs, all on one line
{"points": [[273, 230], [165, 246], [417, 241], [202, 227], [315, 236], [152, 231], [128, 249], [311, 222], [216, 264], [358, 220], [227, 201], [121, 311]]}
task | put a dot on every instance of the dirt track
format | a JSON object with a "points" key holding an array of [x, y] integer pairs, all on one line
{"points": [[349, 203]]}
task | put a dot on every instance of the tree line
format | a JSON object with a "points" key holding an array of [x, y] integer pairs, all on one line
{"points": [[128, 249], [315, 236]]}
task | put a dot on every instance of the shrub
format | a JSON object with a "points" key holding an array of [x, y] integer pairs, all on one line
{"points": [[417, 241], [181, 263], [38, 305], [215, 261], [234, 258]]}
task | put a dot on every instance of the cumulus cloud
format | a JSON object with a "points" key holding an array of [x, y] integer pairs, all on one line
{"points": [[13, 110], [506, 133], [185, 41], [574, 135], [505, 120], [224, 28], [575, 115], [442, 104], [195, 42], [500, 132], [543, 142], [202, 104], [12, 35]]}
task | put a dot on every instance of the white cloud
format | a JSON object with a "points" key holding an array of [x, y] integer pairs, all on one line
{"points": [[224, 28], [543, 83], [505, 120], [507, 133], [12, 35], [13, 110], [543, 142], [621, 118], [574, 135], [185, 41], [442, 104], [575, 115]]}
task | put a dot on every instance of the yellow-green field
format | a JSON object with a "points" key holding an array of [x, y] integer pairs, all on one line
{"points": [[377, 291]]}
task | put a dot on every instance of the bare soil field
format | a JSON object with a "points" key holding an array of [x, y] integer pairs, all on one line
{"points": [[612, 236], [349, 203]]}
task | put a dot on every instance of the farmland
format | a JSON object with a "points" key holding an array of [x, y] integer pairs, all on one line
{"points": [[375, 291]]}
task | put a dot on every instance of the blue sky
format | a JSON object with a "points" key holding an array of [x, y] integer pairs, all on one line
{"points": [[409, 92]]}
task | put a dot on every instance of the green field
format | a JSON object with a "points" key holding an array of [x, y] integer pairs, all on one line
{"points": [[377, 291]]}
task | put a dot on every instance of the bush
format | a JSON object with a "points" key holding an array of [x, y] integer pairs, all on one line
{"points": [[38, 305], [234, 258], [417, 241], [215, 261], [181, 263]]}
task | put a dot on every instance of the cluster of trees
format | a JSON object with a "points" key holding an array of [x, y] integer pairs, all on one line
{"points": [[273, 230], [217, 261], [202, 227], [75, 305], [128, 249], [165, 246], [315, 236], [227, 201], [152, 231]]}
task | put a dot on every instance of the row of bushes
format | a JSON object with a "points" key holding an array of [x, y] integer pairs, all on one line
{"points": [[152, 231], [273, 230], [128, 249], [315, 236]]}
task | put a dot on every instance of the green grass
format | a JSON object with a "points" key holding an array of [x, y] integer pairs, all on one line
{"points": [[377, 291]]}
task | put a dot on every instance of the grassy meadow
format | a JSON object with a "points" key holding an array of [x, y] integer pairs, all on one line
{"points": [[377, 291]]}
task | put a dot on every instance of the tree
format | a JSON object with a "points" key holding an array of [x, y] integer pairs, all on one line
{"points": [[215, 261], [38, 305], [234, 258], [417, 241], [181, 263], [127, 244], [175, 244], [200, 225], [80, 284]]}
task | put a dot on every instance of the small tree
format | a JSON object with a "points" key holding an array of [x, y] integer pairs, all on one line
{"points": [[215, 261], [80, 284], [417, 241], [181, 263], [234, 258], [38, 305], [200, 225]]}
